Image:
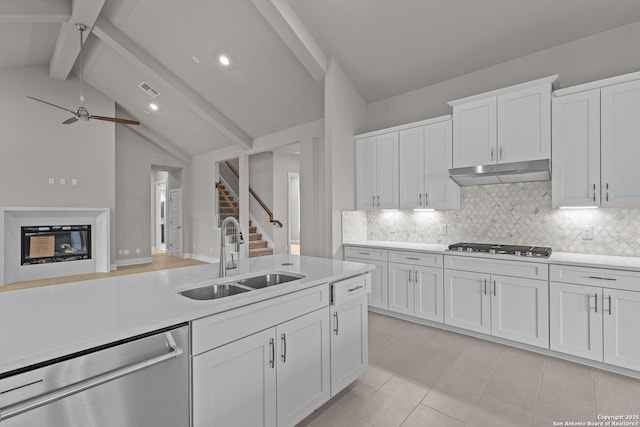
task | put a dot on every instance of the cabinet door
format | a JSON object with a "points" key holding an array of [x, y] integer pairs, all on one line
{"points": [[379, 296], [365, 173], [429, 289], [412, 168], [440, 191], [520, 310], [575, 320], [235, 385], [303, 363], [349, 343], [474, 133], [524, 124], [576, 149], [621, 319], [620, 145], [387, 171], [401, 292], [467, 303]]}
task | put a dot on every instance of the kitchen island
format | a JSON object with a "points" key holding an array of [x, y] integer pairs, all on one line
{"points": [[42, 324]]}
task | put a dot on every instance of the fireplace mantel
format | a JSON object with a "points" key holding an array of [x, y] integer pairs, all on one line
{"points": [[13, 218]]}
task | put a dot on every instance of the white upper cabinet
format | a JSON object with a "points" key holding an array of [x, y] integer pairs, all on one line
{"points": [[576, 149], [506, 125], [595, 143], [425, 158], [377, 172]]}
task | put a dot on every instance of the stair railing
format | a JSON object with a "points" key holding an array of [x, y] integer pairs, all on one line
{"points": [[228, 200], [258, 199]]}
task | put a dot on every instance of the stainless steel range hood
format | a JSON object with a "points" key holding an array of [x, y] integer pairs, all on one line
{"points": [[502, 173]]}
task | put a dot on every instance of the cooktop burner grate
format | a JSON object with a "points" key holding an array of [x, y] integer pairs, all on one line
{"points": [[518, 250]]}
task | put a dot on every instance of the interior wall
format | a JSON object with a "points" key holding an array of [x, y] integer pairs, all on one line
{"points": [[345, 114], [603, 55], [261, 180], [135, 159], [35, 146], [282, 165], [204, 236]]}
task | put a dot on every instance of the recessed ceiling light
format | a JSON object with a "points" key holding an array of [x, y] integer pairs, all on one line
{"points": [[224, 60], [153, 106]]}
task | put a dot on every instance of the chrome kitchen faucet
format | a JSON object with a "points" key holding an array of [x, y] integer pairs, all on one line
{"points": [[237, 240]]}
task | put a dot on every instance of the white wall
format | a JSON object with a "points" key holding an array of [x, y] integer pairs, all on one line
{"points": [[261, 170], [603, 55], [282, 165], [135, 158], [204, 236], [344, 116]]}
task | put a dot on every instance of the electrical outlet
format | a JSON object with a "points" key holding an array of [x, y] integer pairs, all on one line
{"points": [[52, 181], [137, 250], [587, 232], [74, 182], [63, 181], [443, 229], [126, 251]]}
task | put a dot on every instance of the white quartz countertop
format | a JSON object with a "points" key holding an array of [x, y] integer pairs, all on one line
{"points": [[558, 258], [40, 324]]}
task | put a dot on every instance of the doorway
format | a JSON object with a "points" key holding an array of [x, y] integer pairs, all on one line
{"points": [[175, 222], [161, 216], [294, 213]]}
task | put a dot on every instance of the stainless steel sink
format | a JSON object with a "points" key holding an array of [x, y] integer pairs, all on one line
{"points": [[214, 291], [269, 279]]}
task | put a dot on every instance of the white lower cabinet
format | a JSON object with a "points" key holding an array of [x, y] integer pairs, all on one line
{"points": [[596, 323], [349, 343], [514, 308], [379, 292]]}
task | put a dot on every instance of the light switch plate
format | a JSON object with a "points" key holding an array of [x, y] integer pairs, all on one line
{"points": [[587, 232], [63, 181], [52, 181]]}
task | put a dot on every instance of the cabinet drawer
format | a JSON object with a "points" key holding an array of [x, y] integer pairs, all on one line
{"points": [[365, 253], [531, 270], [348, 289], [416, 258], [219, 329], [590, 276]]}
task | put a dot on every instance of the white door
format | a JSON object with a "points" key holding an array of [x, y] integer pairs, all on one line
{"points": [[378, 297], [520, 310], [620, 127], [575, 320], [474, 133], [412, 168], [621, 319], [387, 188], [401, 294], [365, 173], [524, 125], [576, 149], [235, 385], [175, 222], [161, 216], [440, 191], [429, 293], [303, 363], [467, 303], [349, 343]]}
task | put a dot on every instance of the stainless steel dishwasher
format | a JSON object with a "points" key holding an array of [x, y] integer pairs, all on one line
{"points": [[136, 382]]}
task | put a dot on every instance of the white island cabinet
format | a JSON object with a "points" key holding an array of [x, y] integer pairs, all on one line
{"points": [[595, 313], [379, 293], [506, 299]]}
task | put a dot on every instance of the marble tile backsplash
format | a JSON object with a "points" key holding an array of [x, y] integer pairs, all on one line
{"points": [[509, 214]]}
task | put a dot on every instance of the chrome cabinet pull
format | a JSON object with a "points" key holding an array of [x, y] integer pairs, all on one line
{"points": [[420, 197], [426, 199], [373, 201], [378, 200], [485, 285], [70, 390], [495, 291], [272, 360], [413, 258], [283, 338], [609, 304], [409, 276], [364, 253], [602, 278], [335, 316], [607, 187], [596, 295], [594, 192], [500, 155], [491, 149], [355, 288]]}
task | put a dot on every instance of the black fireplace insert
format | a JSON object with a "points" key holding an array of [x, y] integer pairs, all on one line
{"points": [[55, 243]]}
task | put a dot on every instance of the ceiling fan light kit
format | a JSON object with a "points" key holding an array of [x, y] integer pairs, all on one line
{"points": [[81, 113]]}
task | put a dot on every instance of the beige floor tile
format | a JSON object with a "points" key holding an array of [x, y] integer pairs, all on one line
{"points": [[403, 390], [492, 410], [353, 421], [336, 409], [423, 416], [370, 381], [616, 394], [392, 403]]}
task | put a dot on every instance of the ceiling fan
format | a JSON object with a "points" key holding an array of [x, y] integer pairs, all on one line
{"points": [[81, 113]]}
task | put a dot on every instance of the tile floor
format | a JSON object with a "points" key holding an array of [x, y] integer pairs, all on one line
{"points": [[422, 376]]}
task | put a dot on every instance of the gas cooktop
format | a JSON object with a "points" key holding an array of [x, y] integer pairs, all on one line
{"points": [[529, 251]]}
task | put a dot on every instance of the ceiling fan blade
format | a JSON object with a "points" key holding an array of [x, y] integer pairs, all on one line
{"points": [[70, 120], [116, 120], [53, 105]]}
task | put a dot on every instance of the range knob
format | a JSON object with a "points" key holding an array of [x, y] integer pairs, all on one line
{"points": [[469, 249], [529, 253], [492, 251], [519, 253]]}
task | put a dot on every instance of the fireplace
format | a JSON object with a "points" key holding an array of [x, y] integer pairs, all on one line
{"points": [[55, 243]]}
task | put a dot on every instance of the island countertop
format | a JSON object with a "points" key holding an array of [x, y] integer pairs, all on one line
{"points": [[40, 324]]}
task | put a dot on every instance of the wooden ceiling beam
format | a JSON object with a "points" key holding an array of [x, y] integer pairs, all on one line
{"points": [[125, 47]]}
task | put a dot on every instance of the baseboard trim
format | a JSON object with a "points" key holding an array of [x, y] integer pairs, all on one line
{"points": [[202, 258], [133, 261]]}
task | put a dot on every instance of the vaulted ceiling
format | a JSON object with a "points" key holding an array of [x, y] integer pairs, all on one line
{"points": [[278, 51]]}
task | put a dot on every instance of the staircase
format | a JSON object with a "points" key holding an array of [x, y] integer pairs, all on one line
{"points": [[228, 206]]}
